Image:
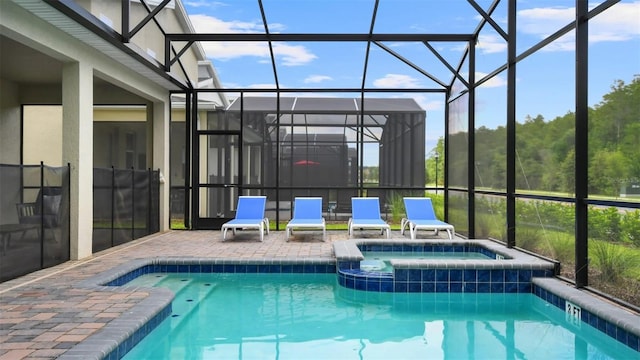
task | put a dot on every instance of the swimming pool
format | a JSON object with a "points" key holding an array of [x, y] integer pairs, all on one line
{"points": [[121, 334], [293, 316]]}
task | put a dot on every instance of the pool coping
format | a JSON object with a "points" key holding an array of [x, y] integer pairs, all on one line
{"points": [[604, 310]]}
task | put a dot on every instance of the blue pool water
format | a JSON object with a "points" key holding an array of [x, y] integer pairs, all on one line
{"points": [[388, 255], [308, 316]]}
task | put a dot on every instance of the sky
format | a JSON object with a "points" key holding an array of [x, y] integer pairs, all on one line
{"points": [[545, 80]]}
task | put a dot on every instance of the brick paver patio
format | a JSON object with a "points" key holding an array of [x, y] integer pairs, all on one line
{"points": [[45, 313]]}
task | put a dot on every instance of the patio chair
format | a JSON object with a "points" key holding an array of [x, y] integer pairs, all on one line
{"points": [[45, 210], [365, 214], [249, 215], [420, 216], [307, 213]]}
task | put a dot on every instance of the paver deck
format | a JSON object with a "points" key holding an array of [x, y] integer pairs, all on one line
{"points": [[43, 314]]}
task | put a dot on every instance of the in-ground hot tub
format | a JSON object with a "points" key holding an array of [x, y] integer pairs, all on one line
{"points": [[503, 270], [378, 257]]}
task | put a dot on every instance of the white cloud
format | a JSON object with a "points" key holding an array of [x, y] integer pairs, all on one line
{"points": [[289, 55], [209, 24], [396, 81], [618, 23], [543, 22], [292, 55], [490, 44], [204, 3], [426, 103], [496, 81], [263, 86], [314, 79]]}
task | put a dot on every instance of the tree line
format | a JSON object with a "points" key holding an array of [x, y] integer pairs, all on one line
{"points": [[545, 150]]}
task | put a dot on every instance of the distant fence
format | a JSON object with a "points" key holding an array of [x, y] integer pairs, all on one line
{"points": [[34, 218], [125, 205]]}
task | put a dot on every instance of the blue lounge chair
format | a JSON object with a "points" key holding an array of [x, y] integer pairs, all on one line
{"points": [[249, 215], [420, 216], [307, 213], [365, 214]]}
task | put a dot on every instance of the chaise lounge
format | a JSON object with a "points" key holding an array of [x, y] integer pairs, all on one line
{"points": [[366, 215], [307, 213], [249, 215], [420, 216]]}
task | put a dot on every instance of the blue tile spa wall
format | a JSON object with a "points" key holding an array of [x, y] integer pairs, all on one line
{"points": [[440, 280]]}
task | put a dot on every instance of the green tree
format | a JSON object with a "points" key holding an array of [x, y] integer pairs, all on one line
{"points": [[432, 161], [608, 172]]}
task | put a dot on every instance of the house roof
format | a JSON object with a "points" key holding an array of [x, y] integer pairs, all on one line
{"points": [[326, 105]]}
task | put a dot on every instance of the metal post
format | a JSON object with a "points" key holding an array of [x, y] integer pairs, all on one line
{"points": [[187, 162], [511, 126], [113, 203], [195, 165], [149, 191], [471, 145], [581, 146], [133, 203], [68, 237], [437, 156], [41, 205]]}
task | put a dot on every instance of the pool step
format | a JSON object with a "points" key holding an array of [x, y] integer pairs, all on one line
{"points": [[188, 300], [175, 284], [149, 280]]}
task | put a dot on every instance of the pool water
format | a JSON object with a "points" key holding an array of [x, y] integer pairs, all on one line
{"points": [[308, 316], [380, 260]]}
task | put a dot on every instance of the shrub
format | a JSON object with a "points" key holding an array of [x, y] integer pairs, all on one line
{"points": [[396, 203], [563, 247], [612, 260], [483, 226], [527, 238], [631, 227]]}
